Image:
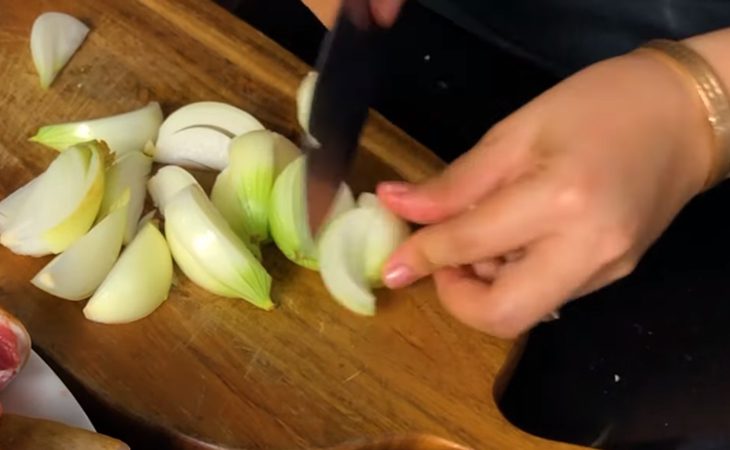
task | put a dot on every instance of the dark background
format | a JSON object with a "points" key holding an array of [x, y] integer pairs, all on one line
{"points": [[642, 364], [445, 86]]}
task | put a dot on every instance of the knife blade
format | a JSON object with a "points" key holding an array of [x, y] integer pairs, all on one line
{"points": [[348, 70]]}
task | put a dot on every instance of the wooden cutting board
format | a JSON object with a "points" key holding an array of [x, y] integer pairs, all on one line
{"points": [[211, 372]]}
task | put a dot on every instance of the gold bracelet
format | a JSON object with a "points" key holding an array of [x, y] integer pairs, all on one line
{"points": [[714, 97]]}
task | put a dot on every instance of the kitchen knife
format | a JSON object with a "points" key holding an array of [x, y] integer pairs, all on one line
{"points": [[348, 74]]}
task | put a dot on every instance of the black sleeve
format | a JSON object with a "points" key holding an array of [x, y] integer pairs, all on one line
{"points": [[566, 35]]}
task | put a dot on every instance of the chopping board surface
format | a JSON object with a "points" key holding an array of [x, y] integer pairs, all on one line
{"points": [[214, 372]]}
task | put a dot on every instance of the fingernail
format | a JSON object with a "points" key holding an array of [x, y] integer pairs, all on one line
{"points": [[395, 187], [398, 276]]}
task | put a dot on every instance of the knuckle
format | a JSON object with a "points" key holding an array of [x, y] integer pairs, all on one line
{"points": [[435, 247], [420, 253], [443, 245], [615, 245], [624, 268], [572, 200]]}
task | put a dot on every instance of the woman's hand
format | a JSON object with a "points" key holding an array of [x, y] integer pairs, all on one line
{"points": [[561, 198], [384, 11]]}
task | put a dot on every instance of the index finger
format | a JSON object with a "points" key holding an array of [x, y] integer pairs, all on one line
{"points": [[511, 218]]}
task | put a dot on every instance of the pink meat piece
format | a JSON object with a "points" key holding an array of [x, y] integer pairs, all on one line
{"points": [[15, 347]]}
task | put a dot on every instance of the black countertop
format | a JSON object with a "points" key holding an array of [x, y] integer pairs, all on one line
{"points": [[642, 364]]}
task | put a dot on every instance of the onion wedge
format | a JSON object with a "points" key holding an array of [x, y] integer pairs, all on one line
{"points": [[197, 273], [62, 205], [242, 192], [226, 201], [128, 174], [11, 205], [288, 214], [223, 195], [353, 249], [194, 225], [54, 39], [197, 135], [123, 133], [168, 182], [195, 148], [77, 272], [305, 94], [138, 283], [387, 232], [222, 116]]}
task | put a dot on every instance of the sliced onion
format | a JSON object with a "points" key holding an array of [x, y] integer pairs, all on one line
{"points": [[129, 173], [197, 135], [223, 195], [167, 183], [256, 159], [11, 205], [138, 283], [62, 206], [195, 147], [126, 132], [342, 262], [77, 272], [54, 39], [353, 249], [305, 94], [147, 218], [227, 118], [196, 272], [288, 214], [193, 224], [226, 201], [170, 180], [387, 232]]}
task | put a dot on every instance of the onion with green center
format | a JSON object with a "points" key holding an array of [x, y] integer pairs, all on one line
{"points": [[126, 132], [288, 214], [209, 253], [170, 180], [242, 192], [62, 204]]}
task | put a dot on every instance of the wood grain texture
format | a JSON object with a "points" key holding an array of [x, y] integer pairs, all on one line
{"points": [[25, 433], [214, 372]]}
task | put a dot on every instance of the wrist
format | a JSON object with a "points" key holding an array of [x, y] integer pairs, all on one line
{"points": [[700, 134], [713, 48]]}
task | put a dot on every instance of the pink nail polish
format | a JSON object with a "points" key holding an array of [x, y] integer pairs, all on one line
{"points": [[395, 187], [398, 276]]}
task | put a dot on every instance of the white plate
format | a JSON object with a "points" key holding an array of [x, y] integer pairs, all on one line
{"points": [[38, 392]]}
